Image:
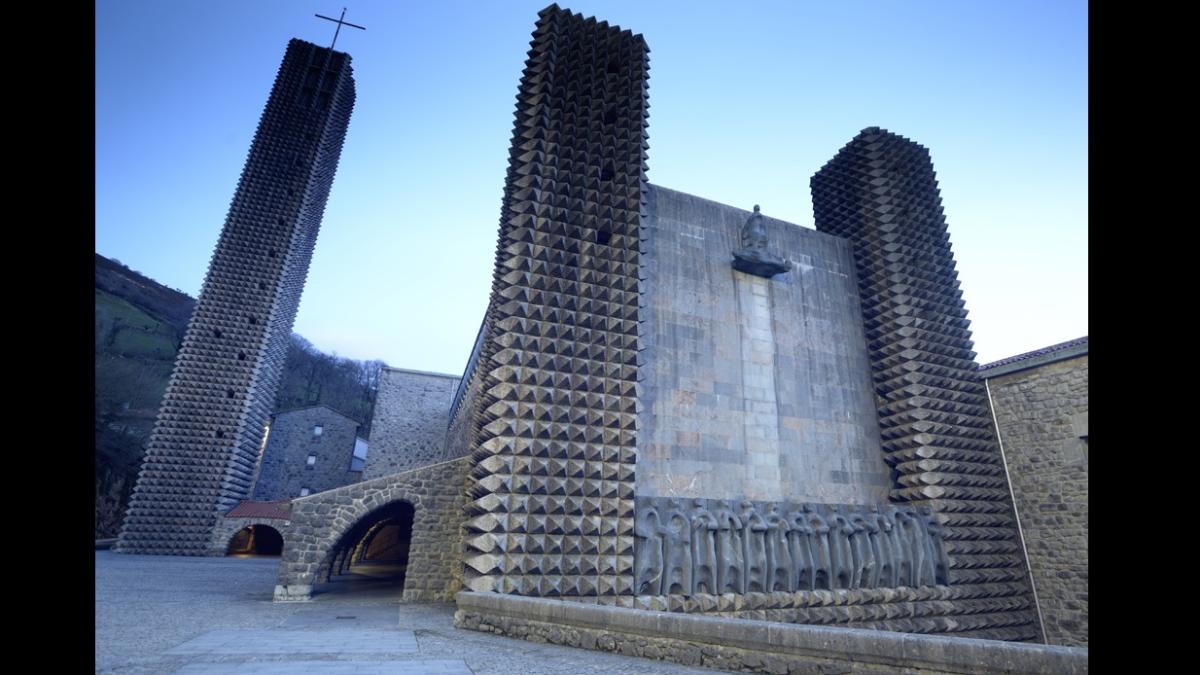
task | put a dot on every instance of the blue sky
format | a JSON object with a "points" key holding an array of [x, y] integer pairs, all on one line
{"points": [[747, 101]]}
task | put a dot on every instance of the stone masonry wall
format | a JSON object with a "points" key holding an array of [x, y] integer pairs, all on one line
{"points": [[1042, 418], [285, 469], [435, 555], [412, 409], [753, 388]]}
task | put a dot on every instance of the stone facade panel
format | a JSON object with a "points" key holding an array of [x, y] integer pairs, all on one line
{"points": [[412, 410], [739, 388]]}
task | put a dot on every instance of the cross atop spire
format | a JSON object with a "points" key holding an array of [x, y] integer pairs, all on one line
{"points": [[340, 23]]}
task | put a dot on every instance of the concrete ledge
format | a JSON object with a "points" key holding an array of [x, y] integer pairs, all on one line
{"points": [[758, 646], [293, 593]]}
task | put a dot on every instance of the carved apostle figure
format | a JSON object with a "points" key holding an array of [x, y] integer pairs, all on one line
{"points": [[754, 540], [677, 556], [908, 560], [704, 549], [840, 556], [922, 568], [754, 232], [648, 552], [823, 565], [730, 557], [869, 567], [941, 566], [781, 575], [886, 567], [801, 547], [901, 559], [927, 571]]}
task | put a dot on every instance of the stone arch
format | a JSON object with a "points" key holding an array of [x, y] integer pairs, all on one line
{"points": [[355, 543], [256, 538], [327, 528]]}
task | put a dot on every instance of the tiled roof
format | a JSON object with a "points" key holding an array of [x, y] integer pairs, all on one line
{"points": [[1044, 351], [280, 508]]}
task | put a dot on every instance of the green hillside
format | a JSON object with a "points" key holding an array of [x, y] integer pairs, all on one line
{"points": [[139, 327]]}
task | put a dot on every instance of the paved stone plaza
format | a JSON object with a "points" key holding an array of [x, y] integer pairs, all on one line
{"points": [[194, 616]]}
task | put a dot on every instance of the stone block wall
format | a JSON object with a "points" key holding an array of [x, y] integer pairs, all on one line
{"points": [[320, 522], [1041, 413], [285, 470], [412, 409], [753, 388]]}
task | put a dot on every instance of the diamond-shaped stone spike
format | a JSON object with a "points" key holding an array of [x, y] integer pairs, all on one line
{"points": [[486, 584], [485, 564], [487, 543], [487, 522]]}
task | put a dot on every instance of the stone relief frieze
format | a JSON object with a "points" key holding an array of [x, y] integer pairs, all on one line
{"points": [[712, 546]]}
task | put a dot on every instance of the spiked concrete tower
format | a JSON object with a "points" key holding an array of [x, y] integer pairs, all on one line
{"points": [[880, 192], [204, 450], [551, 510]]}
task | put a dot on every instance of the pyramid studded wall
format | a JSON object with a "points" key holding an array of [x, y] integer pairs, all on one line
{"points": [[881, 193], [552, 487], [203, 452]]}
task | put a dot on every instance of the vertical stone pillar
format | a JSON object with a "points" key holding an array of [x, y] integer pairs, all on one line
{"points": [[761, 427], [551, 510]]}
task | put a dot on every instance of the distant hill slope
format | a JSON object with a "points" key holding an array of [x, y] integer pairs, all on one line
{"points": [[139, 326]]}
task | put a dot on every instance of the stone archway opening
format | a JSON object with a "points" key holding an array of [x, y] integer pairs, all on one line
{"points": [[373, 553], [255, 540]]}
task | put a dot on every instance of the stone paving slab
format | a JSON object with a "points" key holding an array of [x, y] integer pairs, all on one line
{"points": [[153, 611], [342, 641], [428, 667]]}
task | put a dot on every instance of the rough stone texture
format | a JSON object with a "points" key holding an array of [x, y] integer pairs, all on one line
{"points": [[753, 646], [1042, 416], [754, 388], [408, 431], [555, 420], [206, 444], [227, 527], [880, 193], [285, 469], [325, 527]]}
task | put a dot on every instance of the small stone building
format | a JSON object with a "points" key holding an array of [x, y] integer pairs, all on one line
{"points": [[308, 450], [1040, 402]]}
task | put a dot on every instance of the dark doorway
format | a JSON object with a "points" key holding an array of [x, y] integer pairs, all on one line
{"points": [[374, 552], [256, 540]]}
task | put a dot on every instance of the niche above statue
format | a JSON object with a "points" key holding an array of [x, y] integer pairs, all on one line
{"points": [[752, 256]]}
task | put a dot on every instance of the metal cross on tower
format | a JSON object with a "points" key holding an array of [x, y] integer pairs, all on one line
{"points": [[340, 23]]}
